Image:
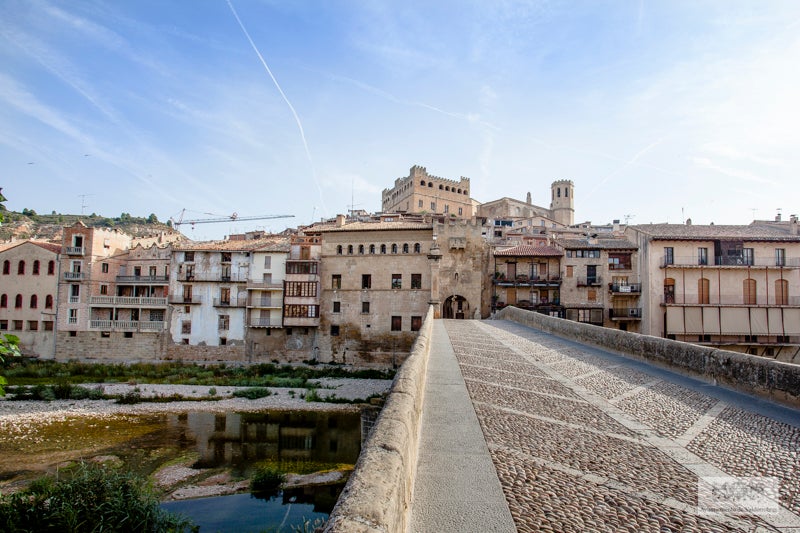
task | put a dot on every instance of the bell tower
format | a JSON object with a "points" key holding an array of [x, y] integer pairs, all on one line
{"points": [[562, 203]]}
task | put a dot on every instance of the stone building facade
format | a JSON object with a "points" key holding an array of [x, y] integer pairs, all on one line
{"points": [[735, 287], [28, 295], [420, 192]]}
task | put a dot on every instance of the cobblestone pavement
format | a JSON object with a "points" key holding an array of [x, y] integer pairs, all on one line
{"points": [[583, 441]]}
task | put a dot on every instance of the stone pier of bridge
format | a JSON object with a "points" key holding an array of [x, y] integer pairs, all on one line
{"points": [[525, 431]]}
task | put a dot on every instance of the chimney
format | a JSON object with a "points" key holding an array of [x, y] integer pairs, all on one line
{"points": [[794, 225], [340, 220]]}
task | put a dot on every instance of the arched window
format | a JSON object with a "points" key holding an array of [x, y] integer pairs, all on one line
{"points": [[339, 250], [459, 191], [36, 268], [405, 248], [394, 248], [422, 182], [781, 292], [51, 268], [3, 301], [417, 248], [361, 249], [21, 268], [48, 301], [6, 267], [350, 249], [34, 301], [702, 291], [441, 187], [558, 192], [372, 248], [447, 188], [430, 184], [749, 291], [18, 301], [383, 248], [566, 192]]}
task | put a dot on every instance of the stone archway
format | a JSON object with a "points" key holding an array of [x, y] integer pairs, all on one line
{"points": [[455, 306]]}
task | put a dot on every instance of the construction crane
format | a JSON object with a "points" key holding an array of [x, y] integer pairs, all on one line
{"points": [[232, 218]]}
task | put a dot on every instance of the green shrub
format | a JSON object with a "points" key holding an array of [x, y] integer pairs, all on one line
{"points": [[266, 482], [89, 498], [253, 393], [130, 397]]}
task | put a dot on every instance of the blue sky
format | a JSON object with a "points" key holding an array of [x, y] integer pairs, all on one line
{"points": [[657, 110]]}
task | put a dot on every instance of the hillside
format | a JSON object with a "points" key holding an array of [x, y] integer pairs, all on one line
{"points": [[28, 224]]}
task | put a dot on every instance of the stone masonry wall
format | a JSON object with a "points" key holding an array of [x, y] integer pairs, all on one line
{"points": [[750, 374], [378, 493]]}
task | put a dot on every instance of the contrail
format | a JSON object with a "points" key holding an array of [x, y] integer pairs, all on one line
{"points": [[285, 99], [630, 162]]}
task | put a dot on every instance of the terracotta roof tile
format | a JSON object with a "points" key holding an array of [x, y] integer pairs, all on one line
{"points": [[526, 250], [756, 232]]}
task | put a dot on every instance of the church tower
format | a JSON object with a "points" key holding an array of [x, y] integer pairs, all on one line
{"points": [[562, 205]]}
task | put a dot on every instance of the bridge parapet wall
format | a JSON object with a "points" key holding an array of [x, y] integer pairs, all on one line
{"points": [[751, 374], [378, 494]]}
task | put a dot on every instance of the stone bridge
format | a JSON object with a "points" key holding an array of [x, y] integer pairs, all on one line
{"points": [[507, 428]]}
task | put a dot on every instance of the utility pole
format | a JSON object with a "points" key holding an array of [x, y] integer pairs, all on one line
{"points": [[83, 201]]}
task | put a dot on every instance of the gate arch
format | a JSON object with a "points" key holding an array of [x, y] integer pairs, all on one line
{"points": [[455, 306]]}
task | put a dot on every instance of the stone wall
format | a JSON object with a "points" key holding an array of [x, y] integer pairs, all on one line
{"points": [[377, 496], [750, 374], [92, 346]]}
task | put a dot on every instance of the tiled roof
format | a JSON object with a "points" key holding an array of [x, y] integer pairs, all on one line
{"points": [[526, 250], [755, 232], [265, 244], [595, 244], [374, 226], [49, 246]]}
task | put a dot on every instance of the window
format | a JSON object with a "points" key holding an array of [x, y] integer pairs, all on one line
{"points": [[18, 302], [128, 334], [383, 248], [33, 325], [361, 249], [446, 208], [18, 325], [268, 261], [334, 330], [780, 257], [669, 255], [337, 307], [339, 250], [223, 322], [72, 317], [3, 325], [51, 268], [669, 291], [419, 204], [366, 281], [34, 301], [364, 307], [336, 281], [21, 268], [702, 256], [186, 327], [748, 256], [416, 323], [188, 256], [702, 291], [460, 211], [225, 257], [104, 268], [223, 341], [397, 323], [48, 302], [749, 290], [569, 271], [6, 267], [350, 249], [4, 301], [300, 311], [103, 290], [397, 281], [405, 248], [372, 248], [187, 293], [301, 288], [36, 268], [48, 325], [592, 295], [394, 248], [619, 261], [301, 268], [781, 292], [416, 281], [433, 206], [417, 248]]}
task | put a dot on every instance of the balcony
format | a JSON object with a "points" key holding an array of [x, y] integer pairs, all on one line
{"points": [[74, 276], [127, 325], [729, 300], [262, 285], [181, 299], [529, 281], [212, 278], [630, 313], [729, 261], [625, 289], [589, 281], [229, 302], [132, 301], [74, 250], [143, 279], [265, 323], [266, 303]]}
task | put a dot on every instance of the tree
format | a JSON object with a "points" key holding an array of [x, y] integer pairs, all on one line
{"points": [[9, 346], [152, 219]]}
